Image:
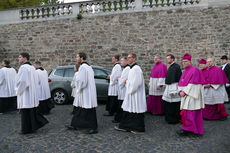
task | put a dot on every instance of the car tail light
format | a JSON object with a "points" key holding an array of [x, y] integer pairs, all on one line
{"points": [[49, 80]]}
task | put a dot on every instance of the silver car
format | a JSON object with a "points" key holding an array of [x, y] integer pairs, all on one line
{"points": [[60, 79]]}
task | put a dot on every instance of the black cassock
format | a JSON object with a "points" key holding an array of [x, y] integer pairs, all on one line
{"points": [[172, 109], [8, 104], [227, 72], [31, 120]]}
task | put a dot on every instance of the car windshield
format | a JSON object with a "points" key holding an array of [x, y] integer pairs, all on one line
{"points": [[59, 72], [69, 72]]}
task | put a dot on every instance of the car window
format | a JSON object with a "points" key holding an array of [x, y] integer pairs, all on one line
{"points": [[69, 72], [99, 74], [59, 72], [108, 71]]}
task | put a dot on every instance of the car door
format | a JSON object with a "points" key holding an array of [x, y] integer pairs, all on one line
{"points": [[56, 79], [68, 76], [102, 83]]}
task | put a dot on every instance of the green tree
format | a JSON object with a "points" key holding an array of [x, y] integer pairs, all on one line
{"points": [[7, 4], [51, 2]]}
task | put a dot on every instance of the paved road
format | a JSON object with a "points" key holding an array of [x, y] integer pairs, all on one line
{"points": [[158, 138]]}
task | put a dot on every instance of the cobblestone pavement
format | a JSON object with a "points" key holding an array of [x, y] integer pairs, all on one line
{"points": [[158, 138]]}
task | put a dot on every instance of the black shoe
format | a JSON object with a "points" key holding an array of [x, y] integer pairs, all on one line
{"points": [[69, 127], [91, 131], [114, 121], [183, 133], [107, 114]]}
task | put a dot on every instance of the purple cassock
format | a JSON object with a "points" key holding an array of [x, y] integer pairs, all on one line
{"points": [[191, 75], [154, 102], [159, 70], [191, 118], [215, 76]]}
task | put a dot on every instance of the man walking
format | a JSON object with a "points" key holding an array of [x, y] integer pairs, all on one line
{"points": [[134, 104], [8, 99], [171, 97], [85, 101], [27, 96]]}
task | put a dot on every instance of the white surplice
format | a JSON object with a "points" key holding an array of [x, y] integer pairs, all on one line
{"points": [[194, 98], [153, 83], [73, 84], [44, 89], [7, 82], [122, 87], [171, 89], [27, 87], [85, 94], [135, 99], [215, 95], [113, 84]]}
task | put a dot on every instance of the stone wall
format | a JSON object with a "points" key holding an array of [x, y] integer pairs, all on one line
{"points": [[203, 32]]}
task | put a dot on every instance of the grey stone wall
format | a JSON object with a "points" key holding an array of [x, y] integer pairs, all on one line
{"points": [[203, 32]]}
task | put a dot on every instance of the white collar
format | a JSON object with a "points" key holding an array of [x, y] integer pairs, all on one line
{"points": [[223, 66], [172, 63]]}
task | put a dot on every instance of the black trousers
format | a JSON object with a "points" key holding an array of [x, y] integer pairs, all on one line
{"points": [[84, 118], [172, 112], [112, 104], [31, 120], [133, 122], [8, 104], [119, 111]]}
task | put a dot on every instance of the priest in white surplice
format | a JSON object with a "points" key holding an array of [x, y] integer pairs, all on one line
{"points": [[76, 68], [122, 89], [215, 93], [112, 103], [85, 101], [45, 104], [27, 96], [8, 99], [134, 104], [156, 87], [73, 84]]}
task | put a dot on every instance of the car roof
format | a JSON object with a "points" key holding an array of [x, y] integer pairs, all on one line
{"points": [[70, 66]]}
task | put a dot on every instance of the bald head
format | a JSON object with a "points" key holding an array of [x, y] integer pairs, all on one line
{"points": [[210, 62]]}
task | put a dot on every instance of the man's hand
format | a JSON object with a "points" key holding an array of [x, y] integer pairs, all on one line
{"points": [[159, 87], [125, 81], [182, 94], [108, 77], [171, 94]]}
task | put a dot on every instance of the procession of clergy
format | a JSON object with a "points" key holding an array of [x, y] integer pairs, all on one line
{"points": [[185, 98]]}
